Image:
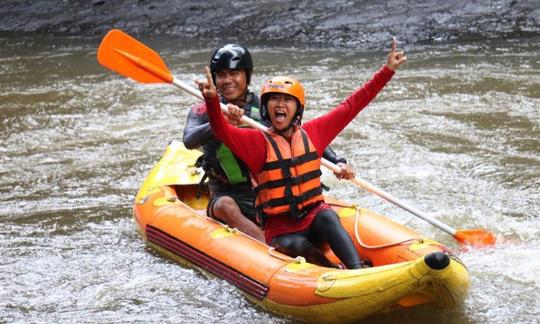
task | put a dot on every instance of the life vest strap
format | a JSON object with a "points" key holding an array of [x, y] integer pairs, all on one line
{"points": [[292, 200], [289, 181], [292, 162]]}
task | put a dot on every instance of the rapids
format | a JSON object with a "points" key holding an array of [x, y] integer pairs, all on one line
{"points": [[456, 133]]}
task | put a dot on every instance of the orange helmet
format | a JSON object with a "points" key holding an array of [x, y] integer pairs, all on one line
{"points": [[286, 85]]}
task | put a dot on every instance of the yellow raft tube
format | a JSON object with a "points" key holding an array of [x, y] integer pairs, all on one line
{"points": [[408, 269]]}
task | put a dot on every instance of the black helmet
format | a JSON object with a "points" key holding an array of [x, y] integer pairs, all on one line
{"points": [[231, 57]]}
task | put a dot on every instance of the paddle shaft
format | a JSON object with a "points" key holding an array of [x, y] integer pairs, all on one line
{"points": [[379, 192]]}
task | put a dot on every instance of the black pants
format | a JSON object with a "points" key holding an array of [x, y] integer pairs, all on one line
{"points": [[325, 227]]}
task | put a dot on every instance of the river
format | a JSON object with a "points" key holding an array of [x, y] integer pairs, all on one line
{"points": [[456, 133]]}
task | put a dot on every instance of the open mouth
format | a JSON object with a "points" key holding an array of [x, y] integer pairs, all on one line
{"points": [[280, 116]]}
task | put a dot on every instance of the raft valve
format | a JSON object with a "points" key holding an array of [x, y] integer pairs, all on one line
{"points": [[437, 260]]}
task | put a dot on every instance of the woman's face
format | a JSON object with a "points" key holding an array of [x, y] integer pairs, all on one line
{"points": [[281, 109]]}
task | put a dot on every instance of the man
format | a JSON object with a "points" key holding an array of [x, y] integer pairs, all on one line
{"points": [[232, 197]]}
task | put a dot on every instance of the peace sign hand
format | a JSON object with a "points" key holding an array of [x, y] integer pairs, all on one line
{"points": [[395, 59], [207, 88]]}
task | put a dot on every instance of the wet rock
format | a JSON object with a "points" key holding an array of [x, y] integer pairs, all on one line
{"points": [[336, 23]]}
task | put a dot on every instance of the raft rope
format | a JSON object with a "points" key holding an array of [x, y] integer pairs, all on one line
{"points": [[278, 255], [372, 247]]}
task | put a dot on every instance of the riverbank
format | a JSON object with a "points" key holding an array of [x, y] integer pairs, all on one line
{"points": [[337, 23]]}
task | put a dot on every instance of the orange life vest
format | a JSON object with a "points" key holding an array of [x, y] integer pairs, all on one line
{"points": [[290, 181]]}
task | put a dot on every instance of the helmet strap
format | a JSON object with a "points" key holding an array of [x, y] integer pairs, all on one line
{"points": [[297, 120]]}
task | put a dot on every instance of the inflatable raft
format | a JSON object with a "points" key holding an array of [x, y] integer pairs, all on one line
{"points": [[408, 269]]}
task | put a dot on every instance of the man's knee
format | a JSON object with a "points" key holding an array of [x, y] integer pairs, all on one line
{"points": [[226, 209], [224, 205]]}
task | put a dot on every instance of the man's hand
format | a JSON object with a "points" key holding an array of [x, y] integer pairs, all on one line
{"points": [[346, 172]]}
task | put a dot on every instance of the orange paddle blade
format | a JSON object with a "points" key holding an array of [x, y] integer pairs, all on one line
{"points": [[127, 56], [475, 237]]}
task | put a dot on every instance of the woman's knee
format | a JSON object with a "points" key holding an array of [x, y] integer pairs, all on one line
{"points": [[292, 245], [326, 218]]}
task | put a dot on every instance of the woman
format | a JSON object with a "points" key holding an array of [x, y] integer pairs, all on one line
{"points": [[285, 161]]}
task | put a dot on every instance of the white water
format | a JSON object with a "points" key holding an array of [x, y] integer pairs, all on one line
{"points": [[455, 134]]}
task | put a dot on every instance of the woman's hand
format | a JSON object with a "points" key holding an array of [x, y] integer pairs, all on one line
{"points": [[395, 59], [207, 88], [233, 114]]}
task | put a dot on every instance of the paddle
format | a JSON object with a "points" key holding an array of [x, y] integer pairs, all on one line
{"points": [[129, 57]]}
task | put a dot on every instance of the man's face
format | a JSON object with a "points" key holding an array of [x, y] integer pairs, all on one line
{"points": [[232, 84]]}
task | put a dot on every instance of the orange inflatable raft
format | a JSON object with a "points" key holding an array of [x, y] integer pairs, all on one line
{"points": [[408, 269]]}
